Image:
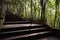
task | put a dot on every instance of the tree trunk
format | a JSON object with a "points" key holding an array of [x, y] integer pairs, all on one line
{"points": [[1, 18], [43, 3]]}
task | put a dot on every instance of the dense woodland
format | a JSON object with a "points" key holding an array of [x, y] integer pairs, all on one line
{"points": [[47, 11]]}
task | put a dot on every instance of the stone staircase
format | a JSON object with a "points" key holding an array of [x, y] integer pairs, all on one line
{"points": [[24, 31]]}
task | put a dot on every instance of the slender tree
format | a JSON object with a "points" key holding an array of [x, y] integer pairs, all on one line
{"points": [[43, 4], [56, 12]]}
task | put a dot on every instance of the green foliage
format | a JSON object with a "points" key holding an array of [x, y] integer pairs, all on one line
{"points": [[36, 9], [53, 13]]}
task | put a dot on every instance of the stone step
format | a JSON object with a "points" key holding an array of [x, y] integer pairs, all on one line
{"points": [[33, 29], [15, 27], [27, 35]]}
